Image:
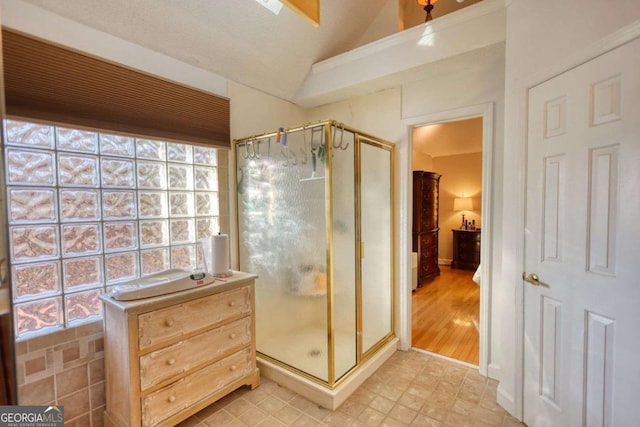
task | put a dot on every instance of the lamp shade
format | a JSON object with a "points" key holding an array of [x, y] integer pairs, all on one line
{"points": [[425, 2], [463, 204]]}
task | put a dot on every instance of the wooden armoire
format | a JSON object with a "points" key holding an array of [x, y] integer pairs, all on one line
{"points": [[425, 223]]}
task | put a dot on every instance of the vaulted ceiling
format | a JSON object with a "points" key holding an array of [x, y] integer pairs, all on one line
{"points": [[243, 41], [237, 39]]}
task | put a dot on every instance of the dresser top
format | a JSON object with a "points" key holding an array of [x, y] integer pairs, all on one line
{"points": [[219, 285]]}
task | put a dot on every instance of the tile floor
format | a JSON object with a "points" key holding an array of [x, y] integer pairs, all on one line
{"points": [[410, 389]]}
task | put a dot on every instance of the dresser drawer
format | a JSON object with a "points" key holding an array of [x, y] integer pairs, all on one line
{"points": [[466, 249], [468, 237], [183, 356], [469, 257], [469, 245], [185, 392], [162, 326]]}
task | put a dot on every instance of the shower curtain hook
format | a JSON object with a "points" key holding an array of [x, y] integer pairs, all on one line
{"points": [[255, 146], [290, 156], [335, 131], [295, 158], [252, 154], [246, 150], [314, 130], [269, 148], [303, 150]]}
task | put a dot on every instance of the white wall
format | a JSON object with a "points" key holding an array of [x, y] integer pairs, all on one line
{"points": [[543, 37], [478, 83], [461, 176], [375, 114], [382, 114], [254, 112]]}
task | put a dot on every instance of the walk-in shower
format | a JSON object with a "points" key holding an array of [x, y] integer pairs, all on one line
{"points": [[315, 223]]}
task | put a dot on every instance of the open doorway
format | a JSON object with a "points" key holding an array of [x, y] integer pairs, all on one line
{"points": [[447, 160]]}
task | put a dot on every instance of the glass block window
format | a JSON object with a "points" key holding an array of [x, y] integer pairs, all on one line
{"points": [[88, 210]]}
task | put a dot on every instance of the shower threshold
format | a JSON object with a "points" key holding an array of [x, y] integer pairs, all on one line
{"points": [[324, 396]]}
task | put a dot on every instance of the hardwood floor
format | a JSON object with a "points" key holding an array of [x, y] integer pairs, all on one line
{"points": [[445, 313]]}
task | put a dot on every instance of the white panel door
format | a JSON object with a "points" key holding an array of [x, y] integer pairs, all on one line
{"points": [[582, 241]]}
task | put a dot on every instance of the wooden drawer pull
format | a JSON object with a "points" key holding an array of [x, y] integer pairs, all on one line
{"points": [[232, 303], [171, 362], [169, 322], [171, 399], [232, 335], [233, 368]]}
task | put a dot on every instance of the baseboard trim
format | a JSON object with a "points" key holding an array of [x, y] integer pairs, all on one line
{"points": [[448, 359], [505, 400], [444, 261], [494, 371]]}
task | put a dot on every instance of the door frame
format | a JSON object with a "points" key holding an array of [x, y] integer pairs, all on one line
{"points": [[486, 112], [594, 50]]}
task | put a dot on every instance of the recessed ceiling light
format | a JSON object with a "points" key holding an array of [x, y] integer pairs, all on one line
{"points": [[273, 5]]}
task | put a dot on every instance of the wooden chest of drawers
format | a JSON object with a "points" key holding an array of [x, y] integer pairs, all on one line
{"points": [[466, 249], [170, 356], [426, 200]]}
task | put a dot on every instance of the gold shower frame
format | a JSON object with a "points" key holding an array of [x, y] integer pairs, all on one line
{"points": [[359, 138]]}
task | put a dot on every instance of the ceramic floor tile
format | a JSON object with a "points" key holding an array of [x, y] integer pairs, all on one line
{"points": [[239, 406], [287, 414], [305, 421], [382, 404], [271, 404], [463, 407], [410, 389], [219, 418], [352, 408], [317, 412], [371, 417], [403, 414], [271, 422], [392, 422], [338, 419], [411, 401], [423, 420], [253, 416]]}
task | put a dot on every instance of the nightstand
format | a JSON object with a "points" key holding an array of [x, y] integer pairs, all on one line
{"points": [[466, 249]]}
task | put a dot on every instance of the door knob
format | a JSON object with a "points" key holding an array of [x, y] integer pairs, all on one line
{"points": [[533, 279]]}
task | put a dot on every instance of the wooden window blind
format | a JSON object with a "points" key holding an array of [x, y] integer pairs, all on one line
{"points": [[48, 82]]}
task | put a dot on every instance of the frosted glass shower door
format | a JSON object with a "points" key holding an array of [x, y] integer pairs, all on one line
{"points": [[377, 243], [344, 250], [283, 239]]}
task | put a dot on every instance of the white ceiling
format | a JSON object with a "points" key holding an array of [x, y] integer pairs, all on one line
{"points": [[236, 39]]}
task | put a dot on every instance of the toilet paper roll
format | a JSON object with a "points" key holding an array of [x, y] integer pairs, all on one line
{"points": [[216, 254]]}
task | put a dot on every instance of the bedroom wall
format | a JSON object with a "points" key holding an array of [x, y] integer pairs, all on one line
{"points": [[421, 161], [461, 176]]}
